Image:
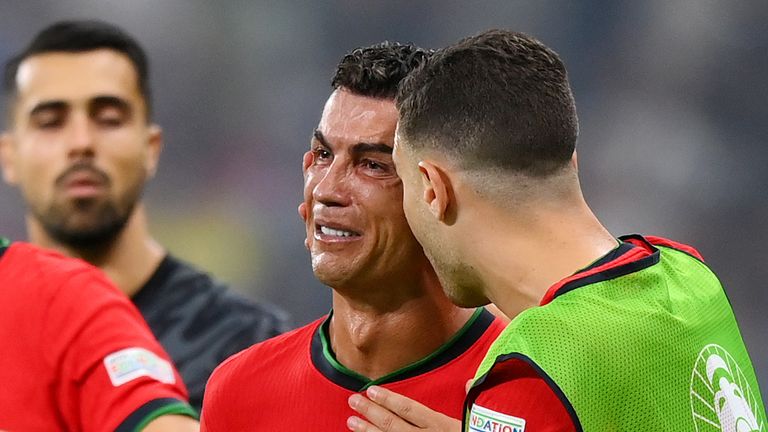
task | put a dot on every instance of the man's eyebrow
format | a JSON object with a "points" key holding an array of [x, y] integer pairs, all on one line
{"points": [[361, 147], [110, 101], [372, 148], [320, 137], [50, 105]]}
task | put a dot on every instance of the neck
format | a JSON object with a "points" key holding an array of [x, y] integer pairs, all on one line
{"points": [[376, 340], [128, 260], [519, 256]]}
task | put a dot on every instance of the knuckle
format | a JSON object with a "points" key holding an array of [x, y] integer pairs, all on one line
{"points": [[388, 423]]}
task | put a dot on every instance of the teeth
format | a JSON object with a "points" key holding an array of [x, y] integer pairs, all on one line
{"points": [[334, 232]]}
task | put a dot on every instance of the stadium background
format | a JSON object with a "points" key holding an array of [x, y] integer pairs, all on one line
{"points": [[671, 95]]}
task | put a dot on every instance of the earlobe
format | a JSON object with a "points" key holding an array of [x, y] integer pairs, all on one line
{"points": [[437, 189], [7, 156], [575, 161]]}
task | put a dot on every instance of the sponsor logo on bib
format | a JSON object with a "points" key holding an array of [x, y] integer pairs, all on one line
{"points": [[131, 363], [484, 420], [721, 398]]}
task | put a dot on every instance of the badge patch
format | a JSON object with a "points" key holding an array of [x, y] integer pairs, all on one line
{"points": [[721, 397], [131, 363], [485, 420]]}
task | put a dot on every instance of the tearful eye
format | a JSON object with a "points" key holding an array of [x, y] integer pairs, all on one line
{"points": [[321, 153], [373, 165]]}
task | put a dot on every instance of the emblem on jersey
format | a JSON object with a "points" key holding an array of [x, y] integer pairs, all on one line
{"points": [[131, 363], [485, 420], [721, 398]]}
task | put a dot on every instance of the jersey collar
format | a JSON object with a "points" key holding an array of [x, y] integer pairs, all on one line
{"points": [[634, 253], [324, 359]]}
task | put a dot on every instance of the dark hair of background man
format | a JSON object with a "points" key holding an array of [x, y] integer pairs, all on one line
{"points": [[83, 36]]}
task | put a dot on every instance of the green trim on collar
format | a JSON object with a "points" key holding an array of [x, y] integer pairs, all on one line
{"points": [[330, 356]]}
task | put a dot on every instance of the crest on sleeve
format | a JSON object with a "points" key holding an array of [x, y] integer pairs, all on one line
{"points": [[131, 363]]}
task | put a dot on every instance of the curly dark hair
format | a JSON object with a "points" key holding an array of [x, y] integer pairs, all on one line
{"points": [[376, 70], [82, 36], [500, 99]]}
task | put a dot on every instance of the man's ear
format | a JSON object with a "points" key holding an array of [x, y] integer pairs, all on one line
{"points": [[155, 143], [575, 160], [7, 158], [438, 190]]}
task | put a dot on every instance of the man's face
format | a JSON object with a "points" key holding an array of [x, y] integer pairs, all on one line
{"points": [[457, 278], [356, 229], [79, 146]]}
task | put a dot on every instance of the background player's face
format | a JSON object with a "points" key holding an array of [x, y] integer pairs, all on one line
{"points": [[80, 147], [356, 229]]}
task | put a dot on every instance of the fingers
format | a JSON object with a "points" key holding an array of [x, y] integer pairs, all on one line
{"points": [[379, 418], [357, 424], [400, 405]]}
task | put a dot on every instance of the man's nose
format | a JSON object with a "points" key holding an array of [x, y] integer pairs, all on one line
{"points": [[333, 189], [80, 137]]}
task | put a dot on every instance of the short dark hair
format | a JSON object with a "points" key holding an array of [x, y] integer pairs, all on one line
{"points": [[500, 99], [377, 70], [82, 36]]}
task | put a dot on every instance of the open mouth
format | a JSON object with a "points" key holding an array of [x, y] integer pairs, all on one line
{"points": [[339, 233]]}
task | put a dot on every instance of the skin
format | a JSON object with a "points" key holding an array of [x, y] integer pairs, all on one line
{"points": [[79, 141], [386, 295], [510, 255]]}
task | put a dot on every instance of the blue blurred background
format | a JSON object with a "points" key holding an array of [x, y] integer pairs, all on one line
{"points": [[672, 99]]}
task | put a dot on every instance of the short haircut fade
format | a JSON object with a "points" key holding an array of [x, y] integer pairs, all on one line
{"points": [[498, 100]]}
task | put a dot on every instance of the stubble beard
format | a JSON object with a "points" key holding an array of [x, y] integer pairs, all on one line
{"points": [[88, 225]]}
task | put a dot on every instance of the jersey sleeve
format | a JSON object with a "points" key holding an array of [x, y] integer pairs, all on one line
{"points": [[515, 395], [113, 374]]}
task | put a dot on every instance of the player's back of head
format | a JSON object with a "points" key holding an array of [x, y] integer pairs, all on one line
{"points": [[499, 100]]}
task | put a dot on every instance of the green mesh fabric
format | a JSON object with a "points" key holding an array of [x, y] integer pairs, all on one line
{"points": [[643, 351]]}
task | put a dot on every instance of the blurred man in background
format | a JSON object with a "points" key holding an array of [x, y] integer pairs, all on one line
{"points": [[626, 334], [80, 147], [76, 353], [391, 325]]}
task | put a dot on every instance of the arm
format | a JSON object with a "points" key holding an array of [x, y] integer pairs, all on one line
{"points": [[513, 392], [172, 423], [113, 374]]}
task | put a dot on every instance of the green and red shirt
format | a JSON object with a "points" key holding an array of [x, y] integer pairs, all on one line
{"points": [[294, 382], [644, 339]]}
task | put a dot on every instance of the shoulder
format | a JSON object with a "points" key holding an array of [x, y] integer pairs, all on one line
{"points": [[219, 299], [259, 363], [50, 275], [517, 392], [271, 354]]}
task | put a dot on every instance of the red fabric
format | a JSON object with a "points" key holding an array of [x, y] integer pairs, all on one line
{"points": [[59, 318], [514, 388], [690, 250], [633, 255], [274, 386]]}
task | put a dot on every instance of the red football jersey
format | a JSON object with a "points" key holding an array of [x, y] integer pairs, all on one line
{"points": [[76, 353], [293, 382]]}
